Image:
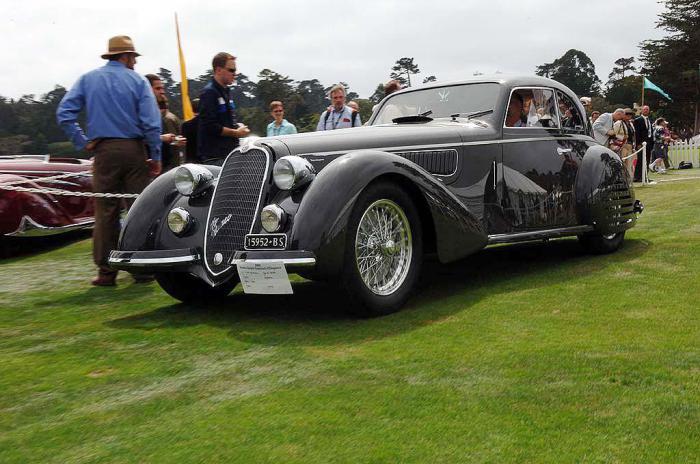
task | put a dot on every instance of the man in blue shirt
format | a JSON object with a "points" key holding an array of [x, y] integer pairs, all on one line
{"points": [[123, 121], [339, 116], [219, 129]]}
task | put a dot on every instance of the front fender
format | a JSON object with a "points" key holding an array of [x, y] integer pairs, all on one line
{"points": [[145, 227], [321, 220], [604, 192]]}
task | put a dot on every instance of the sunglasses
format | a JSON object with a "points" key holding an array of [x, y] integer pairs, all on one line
{"points": [[278, 111], [231, 70]]}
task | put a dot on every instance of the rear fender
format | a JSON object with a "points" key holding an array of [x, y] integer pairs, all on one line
{"points": [[604, 192]]}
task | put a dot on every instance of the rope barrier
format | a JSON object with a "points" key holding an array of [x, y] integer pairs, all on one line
{"points": [[15, 186], [634, 153], [67, 193], [46, 179]]}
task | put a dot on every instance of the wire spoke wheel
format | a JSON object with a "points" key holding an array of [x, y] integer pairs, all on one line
{"points": [[383, 247]]}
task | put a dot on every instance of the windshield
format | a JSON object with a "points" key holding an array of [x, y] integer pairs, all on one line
{"points": [[442, 101]]}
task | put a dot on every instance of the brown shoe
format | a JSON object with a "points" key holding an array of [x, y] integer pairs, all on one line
{"points": [[105, 280]]}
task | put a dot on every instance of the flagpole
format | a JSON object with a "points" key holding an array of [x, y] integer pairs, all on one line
{"points": [[642, 91]]}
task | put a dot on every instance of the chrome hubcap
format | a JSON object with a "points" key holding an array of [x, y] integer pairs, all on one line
{"points": [[383, 247]]}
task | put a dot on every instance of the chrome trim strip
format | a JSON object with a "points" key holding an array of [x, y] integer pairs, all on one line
{"points": [[44, 158], [268, 157], [295, 261], [28, 227], [582, 137], [5, 170], [169, 260], [538, 234]]}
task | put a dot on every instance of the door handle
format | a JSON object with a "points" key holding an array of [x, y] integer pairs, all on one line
{"points": [[495, 173], [563, 151]]}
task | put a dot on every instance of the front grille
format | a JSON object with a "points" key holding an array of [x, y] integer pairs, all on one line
{"points": [[438, 162], [234, 206]]}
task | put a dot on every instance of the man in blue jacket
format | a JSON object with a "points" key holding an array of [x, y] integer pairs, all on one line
{"points": [[123, 132], [219, 129]]}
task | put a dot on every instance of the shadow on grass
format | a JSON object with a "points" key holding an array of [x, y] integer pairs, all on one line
{"points": [[18, 248], [318, 313]]}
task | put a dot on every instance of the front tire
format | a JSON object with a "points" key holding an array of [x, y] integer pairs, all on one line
{"points": [[599, 244], [190, 289], [383, 251]]}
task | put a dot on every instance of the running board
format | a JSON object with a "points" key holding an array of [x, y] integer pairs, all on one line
{"points": [[538, 235]]}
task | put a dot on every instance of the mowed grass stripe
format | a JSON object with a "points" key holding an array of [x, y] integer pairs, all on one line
{"points": [[534, 352]]}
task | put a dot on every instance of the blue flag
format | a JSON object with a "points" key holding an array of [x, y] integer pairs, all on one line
{"points": [[651, 86]]}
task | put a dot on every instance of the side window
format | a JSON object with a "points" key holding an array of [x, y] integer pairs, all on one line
{"points": [[531, 108], [569, 116]]}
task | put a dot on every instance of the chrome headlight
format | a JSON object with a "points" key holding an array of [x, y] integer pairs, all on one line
{"points": [[273, 218], [292, 172], [179, 221], [191, 179]]}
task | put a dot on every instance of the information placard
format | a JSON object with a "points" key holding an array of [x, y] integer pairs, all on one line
{"points": [[268, 278]]}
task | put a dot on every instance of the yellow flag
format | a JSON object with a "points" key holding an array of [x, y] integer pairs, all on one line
{"points": [[187, 112]]}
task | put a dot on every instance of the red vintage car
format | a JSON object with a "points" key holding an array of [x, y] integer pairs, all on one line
{"points": [[32, 213]]}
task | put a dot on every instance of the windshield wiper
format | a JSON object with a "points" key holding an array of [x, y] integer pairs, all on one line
{"points": [[473, 114], [420, 117]]}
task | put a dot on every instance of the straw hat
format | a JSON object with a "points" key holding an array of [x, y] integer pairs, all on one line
{"points": [[120, 44]]}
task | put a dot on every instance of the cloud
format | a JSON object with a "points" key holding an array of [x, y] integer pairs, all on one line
{"points": [[52, 43]]}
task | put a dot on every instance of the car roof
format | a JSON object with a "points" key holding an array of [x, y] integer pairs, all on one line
{"points": [[503, 79]]}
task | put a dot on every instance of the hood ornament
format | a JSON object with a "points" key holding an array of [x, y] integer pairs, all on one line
{"points": [[216, 226]]}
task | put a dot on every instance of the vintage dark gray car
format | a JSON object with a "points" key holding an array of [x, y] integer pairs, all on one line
{"points": [[447, 168]]}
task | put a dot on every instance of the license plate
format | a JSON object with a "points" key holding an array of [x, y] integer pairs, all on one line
{"points": [[265, 242]]}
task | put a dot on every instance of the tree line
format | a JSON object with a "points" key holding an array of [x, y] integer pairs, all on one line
{"points": [[28, 124]]}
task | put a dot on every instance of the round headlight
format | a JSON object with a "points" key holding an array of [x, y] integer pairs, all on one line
{"points": [[283, 174], [292, 172], [272, 218], [191, 179], [179, 220]]}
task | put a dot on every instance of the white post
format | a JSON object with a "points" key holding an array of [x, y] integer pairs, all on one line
{"points": [[644, 163]]}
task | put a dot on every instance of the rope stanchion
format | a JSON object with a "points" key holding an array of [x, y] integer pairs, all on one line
{"points": [[645, 177]]}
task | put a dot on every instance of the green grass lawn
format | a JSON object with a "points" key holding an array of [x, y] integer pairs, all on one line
{"points": [[528, 353]]}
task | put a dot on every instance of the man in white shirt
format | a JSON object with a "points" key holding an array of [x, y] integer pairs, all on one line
{"points": [[603, 126], [339, 116]]}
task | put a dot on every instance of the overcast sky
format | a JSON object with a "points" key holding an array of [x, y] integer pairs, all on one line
{"points": [[50, 42]]}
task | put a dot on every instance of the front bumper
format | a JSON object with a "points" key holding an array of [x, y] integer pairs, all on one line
{"points": [[186, 257], [126, 260]]}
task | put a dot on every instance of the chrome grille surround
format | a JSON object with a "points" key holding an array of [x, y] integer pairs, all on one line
{"points": [[235, 205]]}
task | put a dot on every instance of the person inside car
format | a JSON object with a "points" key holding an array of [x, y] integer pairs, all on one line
{"points": [[515, 111]]}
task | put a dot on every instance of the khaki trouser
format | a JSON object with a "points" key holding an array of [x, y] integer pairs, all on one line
{"points": [[625, 152], [119, 166]]}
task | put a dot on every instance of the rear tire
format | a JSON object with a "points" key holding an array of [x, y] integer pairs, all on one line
{"points": [[599, 244], [383, 250], [190, 289]]}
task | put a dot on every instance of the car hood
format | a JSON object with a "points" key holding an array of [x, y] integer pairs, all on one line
{"points": [[390, 137]]}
